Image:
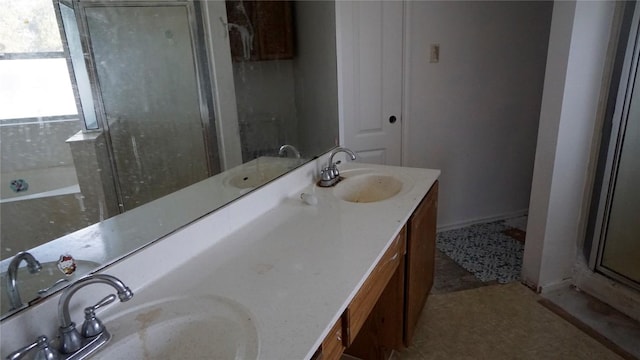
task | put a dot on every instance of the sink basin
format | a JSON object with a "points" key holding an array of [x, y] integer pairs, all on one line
{"points": [[200, 327], [255, 176], [368, 187], [29, 284]]}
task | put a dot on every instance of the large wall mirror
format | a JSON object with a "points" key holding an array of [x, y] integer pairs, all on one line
{"points": [[122, 121]]}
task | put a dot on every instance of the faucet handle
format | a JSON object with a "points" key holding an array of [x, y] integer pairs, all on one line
{"points": [[106, 301], [335, 173], [92, 326], [44, 351], [45, 291], [326, 174]]}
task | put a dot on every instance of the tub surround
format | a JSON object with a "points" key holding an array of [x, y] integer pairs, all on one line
{"points": [[52, 181], [295, 267]]}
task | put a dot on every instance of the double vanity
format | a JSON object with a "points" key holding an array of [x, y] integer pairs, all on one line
{"points": [[290, 271]]}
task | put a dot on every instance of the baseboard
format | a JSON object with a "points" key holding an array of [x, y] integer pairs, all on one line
{"points": [[560, 285], [503, 216]]}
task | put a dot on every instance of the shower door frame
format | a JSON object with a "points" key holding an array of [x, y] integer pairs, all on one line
{"points": [[201, 67], [628, 82]]}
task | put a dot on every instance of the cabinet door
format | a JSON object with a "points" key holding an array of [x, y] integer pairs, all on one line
{"points": [[260, 30], [275, 30], [242, 39], [421, 241]]}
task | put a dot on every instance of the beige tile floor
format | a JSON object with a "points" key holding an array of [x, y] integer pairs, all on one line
{"points": [[623, 335], [497, 322]]}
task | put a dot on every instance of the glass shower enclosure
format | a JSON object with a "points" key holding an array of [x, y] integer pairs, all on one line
{"points": [[146, 64], [615, 248]]}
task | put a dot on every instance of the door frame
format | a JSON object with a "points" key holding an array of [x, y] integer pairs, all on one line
{"points": [[610, 152], [346, 39]]}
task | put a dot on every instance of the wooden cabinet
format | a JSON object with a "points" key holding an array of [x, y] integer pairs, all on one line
{"points": [[383, 330], [383, 314], [260, 30], [377, 304], [334, 344], [421, 242], [368, 295]]}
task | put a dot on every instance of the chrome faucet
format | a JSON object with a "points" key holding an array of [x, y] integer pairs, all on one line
{"points": [[73, 345], [71, 342], [330, 175], [286, 147], [12, 274]]}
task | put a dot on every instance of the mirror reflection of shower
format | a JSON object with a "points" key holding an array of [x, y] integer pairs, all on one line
{"points": [[114, 116], [108, 106], [100, 115], [155, 114]]}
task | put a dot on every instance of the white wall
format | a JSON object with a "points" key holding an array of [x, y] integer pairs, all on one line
{"points": [[265, 90], [475, 113], [301, 93], [579, 38], [316, 87]]}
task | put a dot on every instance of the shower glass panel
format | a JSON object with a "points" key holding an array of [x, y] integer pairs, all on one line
{"points": [[155, 114], [621, 250], [615, 218]]}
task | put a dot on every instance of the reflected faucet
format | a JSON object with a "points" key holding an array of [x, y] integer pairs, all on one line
{"points": [[71, 342], [12, 273], [330, 175], [286, 147]]}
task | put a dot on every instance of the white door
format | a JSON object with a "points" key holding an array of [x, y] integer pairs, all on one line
{"points": [[370, 45]]}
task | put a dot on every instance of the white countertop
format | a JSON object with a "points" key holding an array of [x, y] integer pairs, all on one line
{"points": [[295, 267]]}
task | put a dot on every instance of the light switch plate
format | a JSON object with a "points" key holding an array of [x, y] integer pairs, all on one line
{"points": [[434, 56]]}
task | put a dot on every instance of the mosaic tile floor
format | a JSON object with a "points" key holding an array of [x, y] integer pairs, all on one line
{"points": [[490, 251]]}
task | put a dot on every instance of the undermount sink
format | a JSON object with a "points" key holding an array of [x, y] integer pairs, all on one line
{"points": [[358, 187], [29, 284], [199, 327]]}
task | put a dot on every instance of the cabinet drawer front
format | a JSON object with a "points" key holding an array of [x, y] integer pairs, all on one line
{"points": [[333, 344], [368, 295]]}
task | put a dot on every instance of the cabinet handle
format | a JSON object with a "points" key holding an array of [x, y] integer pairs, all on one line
{"points": [[392, 119], [391, 259]]}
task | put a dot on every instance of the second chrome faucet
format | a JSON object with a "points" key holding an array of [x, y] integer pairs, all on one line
{"points": [[12, 274], [71, 341]]}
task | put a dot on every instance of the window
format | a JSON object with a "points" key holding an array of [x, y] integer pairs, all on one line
{"points": [[34, 77]]}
